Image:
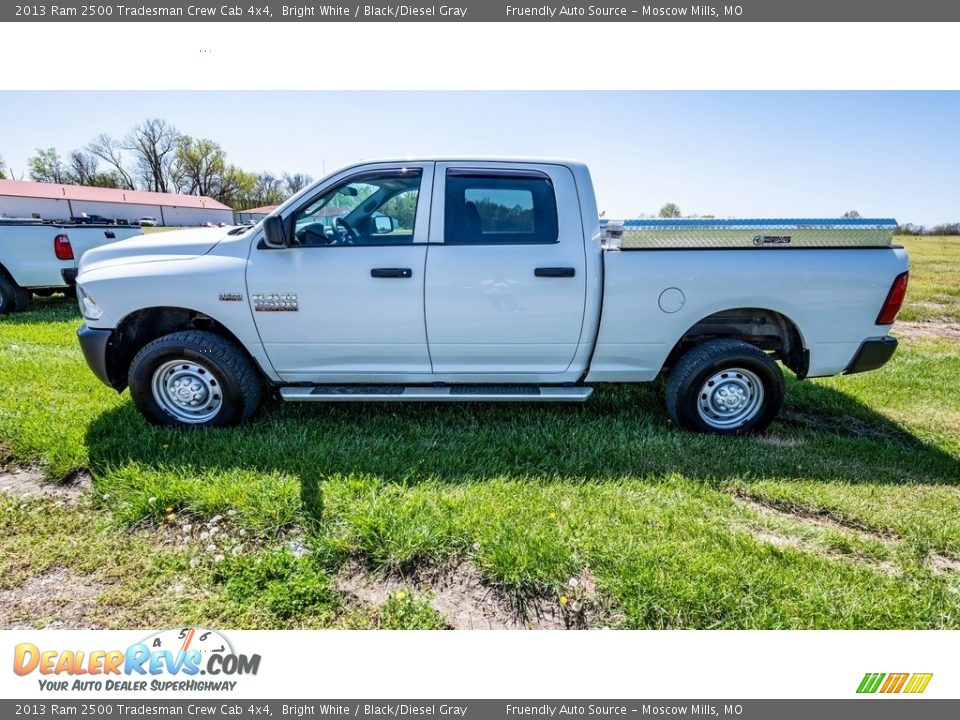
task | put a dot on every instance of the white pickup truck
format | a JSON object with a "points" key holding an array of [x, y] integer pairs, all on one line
{"points": [[480, 280], [41, 257]]}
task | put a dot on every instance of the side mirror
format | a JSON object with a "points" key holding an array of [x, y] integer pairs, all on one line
{"points": [[274, 231], [382, 225]]}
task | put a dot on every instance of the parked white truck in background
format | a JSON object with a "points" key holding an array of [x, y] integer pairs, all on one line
{"points": [[480, 280], [41, 257]]}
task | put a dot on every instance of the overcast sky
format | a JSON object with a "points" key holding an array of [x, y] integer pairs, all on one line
{"points": [[756, 154]]}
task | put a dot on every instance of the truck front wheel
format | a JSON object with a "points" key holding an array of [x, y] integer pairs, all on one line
{"points": [[725, 387], [194, 378]]}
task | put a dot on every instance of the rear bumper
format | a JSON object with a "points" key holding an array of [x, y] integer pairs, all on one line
{"points": [[94, 344], [69, 276], [872, 354]]}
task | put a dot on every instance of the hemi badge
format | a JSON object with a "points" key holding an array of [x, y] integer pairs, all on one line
{"points": [[231, 297]]}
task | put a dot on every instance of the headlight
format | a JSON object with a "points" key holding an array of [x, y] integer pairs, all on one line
{"points": [[88, 306]]}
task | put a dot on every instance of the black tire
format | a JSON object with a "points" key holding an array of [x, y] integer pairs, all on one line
{"points": [[234, 377], [13, 298], [692, 409]]}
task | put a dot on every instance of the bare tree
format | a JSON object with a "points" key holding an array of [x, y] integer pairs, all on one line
{"points": [[670, 210], [153, 144], [851, 215], [293, 184], [268, 189], [111, 152], [82, 167]]}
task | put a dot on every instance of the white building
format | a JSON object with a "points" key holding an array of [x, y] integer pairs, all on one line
{"points": [[50, 201], [254, 215]]}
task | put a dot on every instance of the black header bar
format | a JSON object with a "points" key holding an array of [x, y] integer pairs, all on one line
{"points": [[490, 11]]}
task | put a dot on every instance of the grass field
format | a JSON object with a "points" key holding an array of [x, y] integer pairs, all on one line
{"points": [[846, 514]]}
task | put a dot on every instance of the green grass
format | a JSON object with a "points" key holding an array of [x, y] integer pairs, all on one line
{"points": [[934, 291], [670, 526]]}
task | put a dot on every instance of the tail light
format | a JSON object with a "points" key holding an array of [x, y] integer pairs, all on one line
{"points": [[62, 248], [891, 306]]}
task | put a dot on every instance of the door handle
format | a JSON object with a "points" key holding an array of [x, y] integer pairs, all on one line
{"points": [[555, 272], [391, 273]]}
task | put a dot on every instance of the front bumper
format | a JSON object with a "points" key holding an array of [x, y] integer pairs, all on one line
{"points": [[872, 354], [94, 343]]}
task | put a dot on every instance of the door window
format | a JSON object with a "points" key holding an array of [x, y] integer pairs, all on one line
{"points": [[491, 208], [376, 208]]}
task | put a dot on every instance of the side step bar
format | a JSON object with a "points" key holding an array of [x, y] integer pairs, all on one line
{"points": [[448, 393]]}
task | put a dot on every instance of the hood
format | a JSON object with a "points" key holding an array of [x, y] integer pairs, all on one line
{"points": [[182, 244]]}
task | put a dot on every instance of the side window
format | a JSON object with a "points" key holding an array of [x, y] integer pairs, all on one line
{"points": [[375, 208], [495, 208]]}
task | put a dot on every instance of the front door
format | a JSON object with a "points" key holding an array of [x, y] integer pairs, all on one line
{"points": [[506, 270], [345, 301]]}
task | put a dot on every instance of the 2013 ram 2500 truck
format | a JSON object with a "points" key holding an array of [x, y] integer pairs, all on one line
{"points": [[469, 280]]}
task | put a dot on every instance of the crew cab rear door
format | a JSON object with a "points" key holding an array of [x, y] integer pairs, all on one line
{"points": [[505, 279]]}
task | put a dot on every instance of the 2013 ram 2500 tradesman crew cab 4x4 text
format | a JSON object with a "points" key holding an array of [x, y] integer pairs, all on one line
{"points": [[470, 280]]}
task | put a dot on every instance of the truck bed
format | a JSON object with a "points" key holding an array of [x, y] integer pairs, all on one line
{"points": [[774, 233]]}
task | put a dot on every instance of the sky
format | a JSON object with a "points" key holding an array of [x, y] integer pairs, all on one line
{"points": [[729, 154]]}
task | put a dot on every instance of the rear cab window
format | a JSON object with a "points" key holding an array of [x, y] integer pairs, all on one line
{"points": [[499, 208]]}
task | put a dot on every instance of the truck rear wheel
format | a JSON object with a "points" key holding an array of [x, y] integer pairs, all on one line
{"points": [[194, 378], [13, 298], [725, 387]]}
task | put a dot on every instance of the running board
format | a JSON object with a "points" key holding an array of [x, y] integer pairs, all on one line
{"points": [[448, 393]]}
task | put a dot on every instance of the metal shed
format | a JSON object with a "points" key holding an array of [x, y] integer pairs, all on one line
{"points": [[52, 201]]}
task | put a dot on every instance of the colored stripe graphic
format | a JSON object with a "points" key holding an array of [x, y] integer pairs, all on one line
{"points": [[870, 682], [894, 683], [918, 683]]}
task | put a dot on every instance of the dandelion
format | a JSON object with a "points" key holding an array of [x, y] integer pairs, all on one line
{"points": [[564, 600], [171, 517], [168, 510], [401, 595]]}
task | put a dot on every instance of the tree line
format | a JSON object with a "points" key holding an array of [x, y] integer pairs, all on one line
{"points": [[154, 155], [672, 210]]}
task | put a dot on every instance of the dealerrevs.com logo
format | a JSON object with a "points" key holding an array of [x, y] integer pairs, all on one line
{"points": [[181, 659], [889, 683]]}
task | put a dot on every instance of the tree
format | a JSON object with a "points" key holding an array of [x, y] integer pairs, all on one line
{"points": [[47, 166], [3, 168], [110, 151], [199, 166], [851, 215], [295, 183], [670, 210], [153, 144], [268, 190], [82, 168]]}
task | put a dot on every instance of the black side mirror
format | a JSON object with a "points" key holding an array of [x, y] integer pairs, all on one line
{"points": [[382, 224], [274, 231]]}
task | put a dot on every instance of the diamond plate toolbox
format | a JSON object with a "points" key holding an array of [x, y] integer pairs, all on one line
{"points": [[760, 233]]}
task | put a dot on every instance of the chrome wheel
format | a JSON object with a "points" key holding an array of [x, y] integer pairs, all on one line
{"points": [[730, 398], [187, 390]]}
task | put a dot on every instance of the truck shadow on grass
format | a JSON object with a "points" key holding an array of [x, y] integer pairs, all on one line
{"points": [[622, 432]]}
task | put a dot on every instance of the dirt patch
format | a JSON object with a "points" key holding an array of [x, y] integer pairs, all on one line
{"points": [[29, 482], [793, 513], [943, 331], [783, 511], [462, 596], [943, 564], [782, 441], [56, 599]]}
